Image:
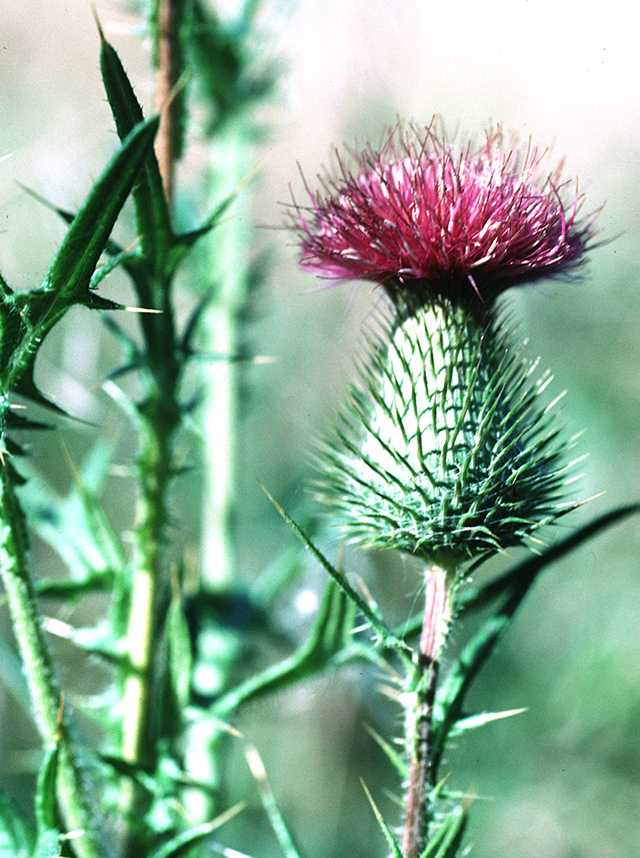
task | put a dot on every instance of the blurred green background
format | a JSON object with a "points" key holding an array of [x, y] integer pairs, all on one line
{"points": [[562, 780]]}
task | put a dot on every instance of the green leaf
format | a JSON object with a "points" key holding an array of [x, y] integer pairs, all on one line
{"points": [[180, 653], [16, 840], [474, 599], [49, 834], [397, 760], [387, 638], [77, 525], [388, 834], [152, 214], [274, 814], [450, 696], [329, 636], [27, 317], [182, 843], [447, 841], [46, 801], [529, 568]]}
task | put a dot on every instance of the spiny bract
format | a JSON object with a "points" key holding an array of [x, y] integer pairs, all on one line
{"points": [[446, 449]]}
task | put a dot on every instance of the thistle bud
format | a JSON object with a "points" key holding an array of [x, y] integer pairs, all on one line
{"points": [[447, 448]]}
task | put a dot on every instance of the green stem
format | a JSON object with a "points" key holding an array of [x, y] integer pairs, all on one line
{"points": [[138, 733], [218, 648], [419, 699], [43, 687]]}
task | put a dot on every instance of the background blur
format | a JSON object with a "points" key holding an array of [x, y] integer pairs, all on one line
{"points": [[562, 780]]}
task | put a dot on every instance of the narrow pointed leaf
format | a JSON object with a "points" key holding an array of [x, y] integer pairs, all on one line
{"points": [[329, 636], [278, 823], [392, 843], [530, 567], [478, 598], [387, 638], [396, 759], [184, 842], [46, 800], [481, 719], [27, 317], [152, 214], [447, 841]]}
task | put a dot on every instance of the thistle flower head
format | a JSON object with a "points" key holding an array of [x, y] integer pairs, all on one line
{"points": [[422, 215]]}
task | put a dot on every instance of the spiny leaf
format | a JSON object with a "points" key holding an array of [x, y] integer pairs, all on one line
{"points": [[330, 635], [447, 841], [396, 759], [387, 638], [27, 317], [223, 61], [277, 820], [152, 214], [388, 834], [477, 598], [451, 694], [184, 842]]}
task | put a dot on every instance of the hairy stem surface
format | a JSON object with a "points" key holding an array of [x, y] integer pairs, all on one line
{"points": [[419, 712], [38, 668]]}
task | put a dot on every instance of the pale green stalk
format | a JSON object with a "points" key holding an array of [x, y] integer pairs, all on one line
{"points": [[231, 157], [43, 687]]}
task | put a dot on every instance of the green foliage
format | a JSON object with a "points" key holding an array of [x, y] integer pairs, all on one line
{"points": [[223, 62], [15, 838], [329, 636], [446, 450], [388, 834], [27, 317]]}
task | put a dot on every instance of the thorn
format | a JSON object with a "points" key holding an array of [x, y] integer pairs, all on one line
{"points": [[149, 310], [94, 12]]}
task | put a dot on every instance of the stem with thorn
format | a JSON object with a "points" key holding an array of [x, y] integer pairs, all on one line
{"points": [[165, 82], [37, 666], [419, 699], [159, 418]]}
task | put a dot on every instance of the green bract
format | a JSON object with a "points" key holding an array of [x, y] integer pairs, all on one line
{"points": [[447, 448]]}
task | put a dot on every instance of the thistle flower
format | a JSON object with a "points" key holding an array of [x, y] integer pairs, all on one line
{"points": [[419, 212], [447, 448]]}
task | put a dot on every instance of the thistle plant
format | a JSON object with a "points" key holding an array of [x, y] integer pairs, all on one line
{"points": [[449, 449]]}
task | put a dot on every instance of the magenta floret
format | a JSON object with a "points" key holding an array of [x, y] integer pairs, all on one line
{"points": [[478, 218]]}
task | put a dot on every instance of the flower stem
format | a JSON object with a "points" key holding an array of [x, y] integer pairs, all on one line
{"points": [[38, 668], [165, 81], [419, 711], [154, 473]]}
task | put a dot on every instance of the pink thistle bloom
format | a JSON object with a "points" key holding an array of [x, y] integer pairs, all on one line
{"points": [[453, 221]]}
